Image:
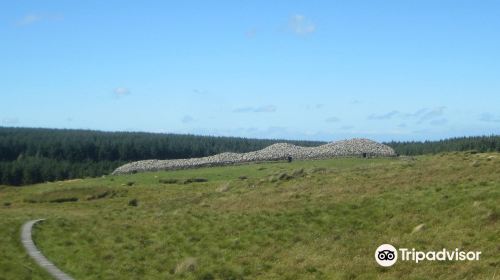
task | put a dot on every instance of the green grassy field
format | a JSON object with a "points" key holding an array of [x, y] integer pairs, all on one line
{"points": [[300, 220]]}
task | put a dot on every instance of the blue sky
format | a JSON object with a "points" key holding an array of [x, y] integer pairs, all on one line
{"points": [[321, 70]]}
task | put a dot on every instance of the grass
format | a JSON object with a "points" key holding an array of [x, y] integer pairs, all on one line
{"points": [[300, 220]]}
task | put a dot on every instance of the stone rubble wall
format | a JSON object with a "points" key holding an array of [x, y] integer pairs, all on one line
{"points": [[279, 151]]}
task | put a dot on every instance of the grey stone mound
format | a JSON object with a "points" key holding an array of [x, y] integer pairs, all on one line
{"points": [[279, 151]]}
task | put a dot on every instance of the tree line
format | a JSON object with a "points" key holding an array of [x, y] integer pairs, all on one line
{"points": [[477, 143], [34, 155]]}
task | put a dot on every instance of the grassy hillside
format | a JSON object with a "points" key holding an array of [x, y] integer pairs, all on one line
{"points": [[300, 220]]}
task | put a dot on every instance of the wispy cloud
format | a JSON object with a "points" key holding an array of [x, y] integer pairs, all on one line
{"points": [[347, 127], [438, 122], [332, 120], [488, 117], [420, 116], [385, 116], [33, 18], [315, 106], [10, 121], [416, 113], [300, 25], [187, 119], [200, 91], [29, 19], [430, 114], [250, 33], [261, 109], [121, 91]]}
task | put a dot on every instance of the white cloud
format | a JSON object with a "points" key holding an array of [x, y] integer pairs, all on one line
{"points": [[33, 18], [300, 25], [29, 19], [121, 91]]}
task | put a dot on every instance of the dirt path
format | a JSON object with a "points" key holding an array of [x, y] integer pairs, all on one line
{"points": [[34, 253]]}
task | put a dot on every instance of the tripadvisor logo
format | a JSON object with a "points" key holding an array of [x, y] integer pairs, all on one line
{"points": [[386, 255]]}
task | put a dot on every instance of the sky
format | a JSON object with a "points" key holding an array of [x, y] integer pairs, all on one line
{"points": [[312, 70]]}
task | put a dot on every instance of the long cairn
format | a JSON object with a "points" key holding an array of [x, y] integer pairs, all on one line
{"points": [[279, 151]]}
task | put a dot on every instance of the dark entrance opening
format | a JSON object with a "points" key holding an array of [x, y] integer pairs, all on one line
{"points": [[365, 155], [289, 158]]}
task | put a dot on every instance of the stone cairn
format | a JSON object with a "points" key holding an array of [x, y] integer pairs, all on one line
{"points": [[275, 152]]}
